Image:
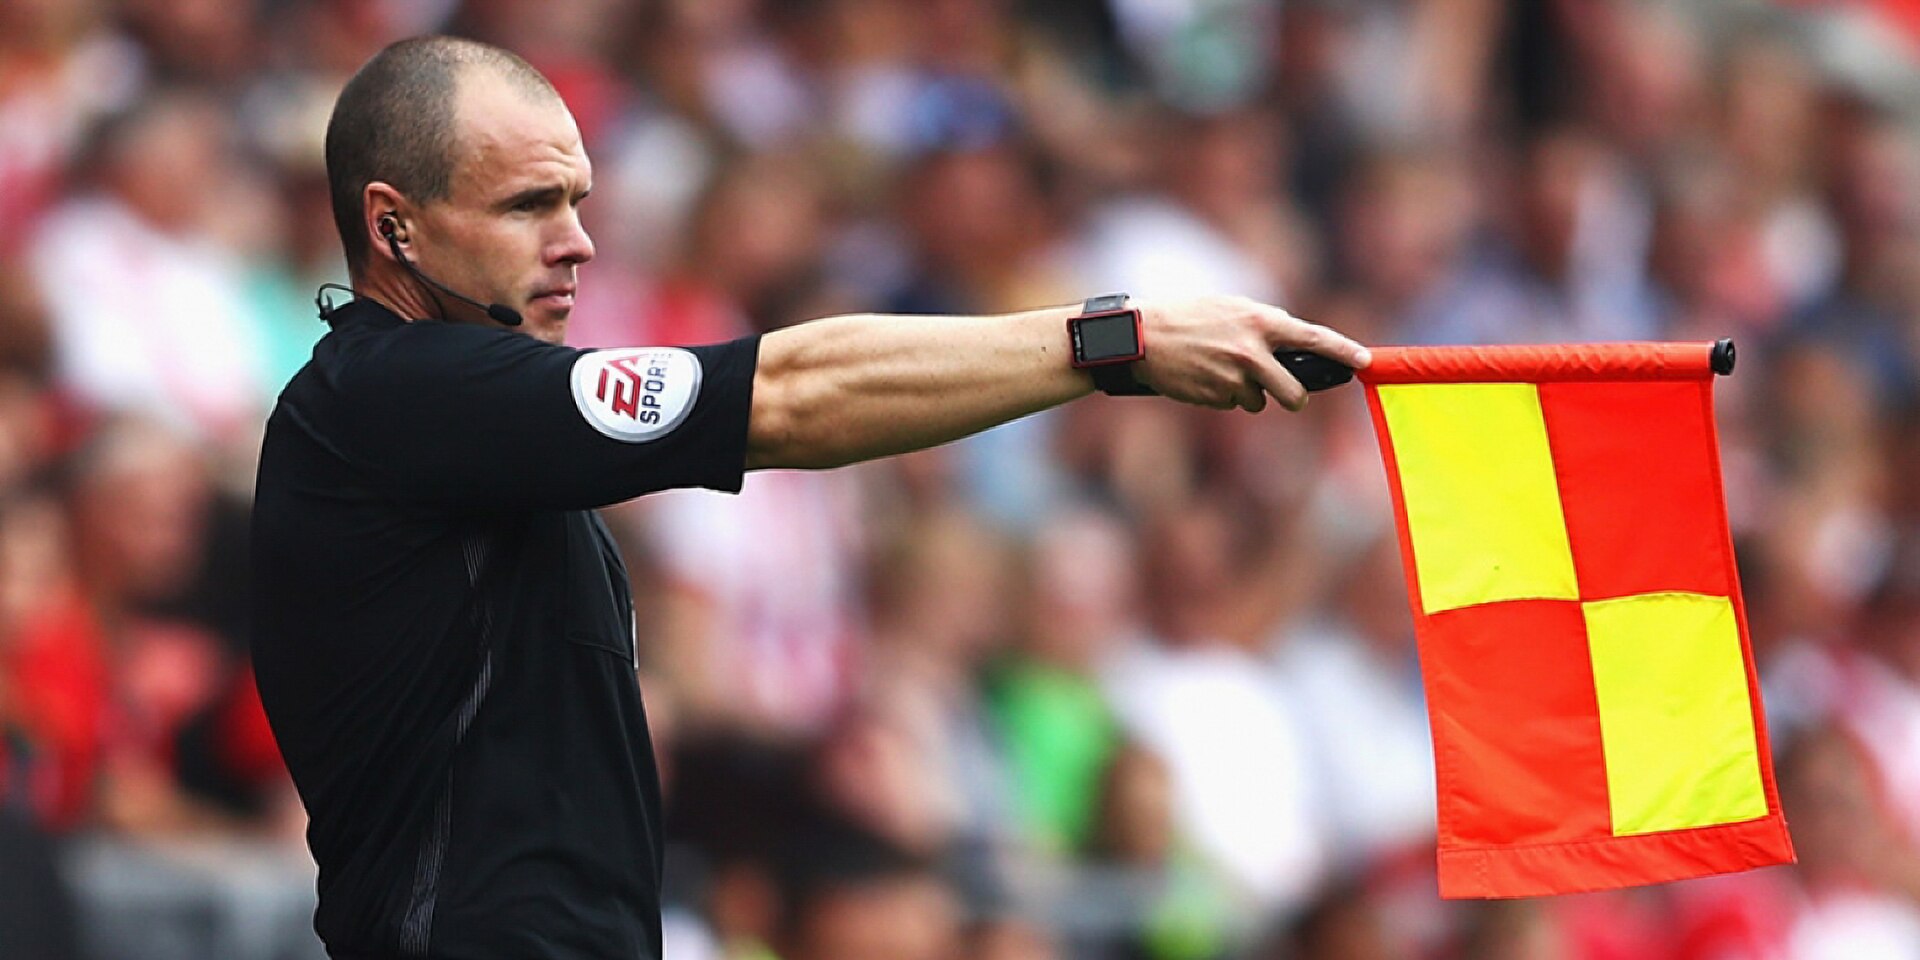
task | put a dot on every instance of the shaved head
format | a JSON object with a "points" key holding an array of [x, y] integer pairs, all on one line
{"points": [[395, 122]]}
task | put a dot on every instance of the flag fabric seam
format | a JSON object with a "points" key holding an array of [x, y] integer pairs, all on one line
{"points": [[1576, 601], [1604, 841], [1532, 870]]}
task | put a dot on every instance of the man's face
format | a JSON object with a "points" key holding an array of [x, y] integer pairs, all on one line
{"points": [[509, 230]]}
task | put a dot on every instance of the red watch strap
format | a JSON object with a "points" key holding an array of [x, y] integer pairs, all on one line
{"points": [[1114, 379]]}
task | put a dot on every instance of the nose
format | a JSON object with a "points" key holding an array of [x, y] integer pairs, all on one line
{"points": [[574, 247]]}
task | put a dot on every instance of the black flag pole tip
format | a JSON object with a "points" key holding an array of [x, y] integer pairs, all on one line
{"points": [[1722, 356]]}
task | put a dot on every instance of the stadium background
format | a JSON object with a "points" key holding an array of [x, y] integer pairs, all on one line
{"points": [[1125, 680]]}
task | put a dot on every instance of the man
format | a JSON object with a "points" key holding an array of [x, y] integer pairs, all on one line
{"points": [[444, 643]]}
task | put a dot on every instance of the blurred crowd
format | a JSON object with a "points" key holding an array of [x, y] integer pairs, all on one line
{"points": [[1122, 681]]}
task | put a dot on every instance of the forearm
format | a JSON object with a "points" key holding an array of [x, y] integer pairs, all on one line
{"points": [[845, 389], [853, 388]]}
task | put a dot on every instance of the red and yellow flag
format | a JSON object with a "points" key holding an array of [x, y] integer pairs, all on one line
{"points": [[1596, 715]]}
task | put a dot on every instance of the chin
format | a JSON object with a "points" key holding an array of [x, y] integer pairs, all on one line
{"points": [[545, 326]]}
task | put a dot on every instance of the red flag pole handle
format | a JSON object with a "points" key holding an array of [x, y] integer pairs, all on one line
{"points": [[1697, 360]]}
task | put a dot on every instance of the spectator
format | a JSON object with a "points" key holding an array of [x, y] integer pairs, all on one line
{"points": [[852, 896], [36, 909], [936, 623], [1859, 869], [104, 685], [1053, 722], [1175, 905], [1343, 923], [1355, 677], [1193, 692], [1567, 265], [162, 327]]}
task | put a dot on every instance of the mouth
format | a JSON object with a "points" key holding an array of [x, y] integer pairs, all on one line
{"points": [[559, 297]]}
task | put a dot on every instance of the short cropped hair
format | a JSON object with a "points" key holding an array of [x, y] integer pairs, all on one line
{"points": [[394, 122]]}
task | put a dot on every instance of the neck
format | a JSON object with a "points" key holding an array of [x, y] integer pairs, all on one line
{"points": [[394, 289]]}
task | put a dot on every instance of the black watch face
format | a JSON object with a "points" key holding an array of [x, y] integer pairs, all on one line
{"points": [[1104, 338]]}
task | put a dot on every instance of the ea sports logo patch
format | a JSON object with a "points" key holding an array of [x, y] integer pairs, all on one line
{"points": [[636, 394]]}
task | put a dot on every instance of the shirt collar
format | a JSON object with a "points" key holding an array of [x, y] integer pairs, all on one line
{"points": [[363, 311]]}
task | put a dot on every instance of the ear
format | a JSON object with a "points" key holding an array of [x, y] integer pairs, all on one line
{"points": [[381, 202]]}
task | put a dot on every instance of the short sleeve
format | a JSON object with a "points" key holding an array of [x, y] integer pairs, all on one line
{"points": [[477, 418]]}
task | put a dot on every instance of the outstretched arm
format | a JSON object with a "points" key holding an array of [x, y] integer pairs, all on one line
{"points": [[845, 389]]}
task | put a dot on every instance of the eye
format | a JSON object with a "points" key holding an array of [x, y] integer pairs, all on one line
{"points": [[527, 206]]}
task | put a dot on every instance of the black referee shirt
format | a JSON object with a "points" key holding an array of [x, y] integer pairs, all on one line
{"points": [[444, 636]]}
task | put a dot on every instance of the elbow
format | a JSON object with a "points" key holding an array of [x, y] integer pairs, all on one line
{"points": [[781, 427], [771, 419], [770, 422], [770, 435]]}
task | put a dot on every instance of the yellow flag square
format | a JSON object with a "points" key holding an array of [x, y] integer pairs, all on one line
{"points": [[1676, 720], [1482, 501]]}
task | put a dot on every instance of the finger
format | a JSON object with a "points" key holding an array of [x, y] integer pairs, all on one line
{"points": [[1291, 331], [1275, 379], [1251, 396]]}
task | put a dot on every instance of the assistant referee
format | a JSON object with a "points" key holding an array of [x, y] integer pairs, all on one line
{"points": [[444, 637]]}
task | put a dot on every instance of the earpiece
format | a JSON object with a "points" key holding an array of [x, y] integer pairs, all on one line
{"points": [[497, 312]]}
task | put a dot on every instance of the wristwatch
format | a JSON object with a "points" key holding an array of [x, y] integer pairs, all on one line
{"points": [[1106, 341]]}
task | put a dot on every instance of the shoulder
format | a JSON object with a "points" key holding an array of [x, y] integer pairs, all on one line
{"points": [[431, 352], [438, 342]]}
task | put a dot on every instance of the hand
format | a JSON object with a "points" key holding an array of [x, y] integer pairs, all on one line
{"points": [[1218, 352]]}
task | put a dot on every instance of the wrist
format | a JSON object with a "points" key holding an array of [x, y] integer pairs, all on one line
{"points": [[1106, 338]]}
